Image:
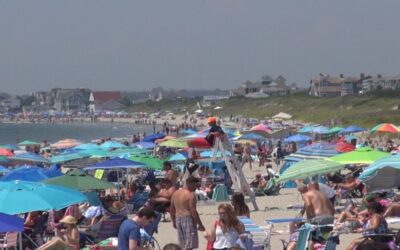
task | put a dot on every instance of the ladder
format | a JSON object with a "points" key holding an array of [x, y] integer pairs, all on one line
{"points": [[234, 168]]}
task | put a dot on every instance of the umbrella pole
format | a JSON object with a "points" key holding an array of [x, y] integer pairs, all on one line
{"points": [[20, 241]]}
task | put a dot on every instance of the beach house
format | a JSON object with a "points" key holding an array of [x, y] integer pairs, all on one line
{"points": [[105, 101]]}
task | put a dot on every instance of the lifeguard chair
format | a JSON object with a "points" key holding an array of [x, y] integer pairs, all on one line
{"points": [[233, 166]]}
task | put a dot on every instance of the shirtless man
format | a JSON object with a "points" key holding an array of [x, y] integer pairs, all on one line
{"points": [[163, 198], [318, 208], [171, 174], [184, 215]]}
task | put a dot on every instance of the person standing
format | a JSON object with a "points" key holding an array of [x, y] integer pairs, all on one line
{"points": [[129, 231], [184, 215]]}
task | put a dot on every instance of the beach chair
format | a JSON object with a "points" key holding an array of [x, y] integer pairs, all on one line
{"points": [[390, 241], [220, 193], [261, 237], [10, 240]]}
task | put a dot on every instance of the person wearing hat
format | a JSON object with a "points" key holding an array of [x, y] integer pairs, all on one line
{"points": [[68, 237], [215, 130]]}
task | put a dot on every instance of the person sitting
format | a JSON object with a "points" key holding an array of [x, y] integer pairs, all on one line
{"points": [[376, 224], [68, 238], [215, 131], [239, 205], [30, 221], [349, 186], [259, 182]]}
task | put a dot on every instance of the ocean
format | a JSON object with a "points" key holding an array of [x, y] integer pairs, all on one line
{"points": [[85, 132]]}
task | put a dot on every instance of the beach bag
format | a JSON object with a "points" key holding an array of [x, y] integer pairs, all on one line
{"points": [[210, 244]]}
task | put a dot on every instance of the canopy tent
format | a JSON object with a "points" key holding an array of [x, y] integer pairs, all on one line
{"points": [[77, 179], [116, 163], [365, 155], [382, 174], [18, 197], [309, 168], [282, 115]]}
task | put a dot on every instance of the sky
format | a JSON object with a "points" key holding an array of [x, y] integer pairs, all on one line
{"points": [[191, 44]]}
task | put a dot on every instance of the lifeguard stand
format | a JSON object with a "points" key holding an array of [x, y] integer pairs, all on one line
{"points": [[234, 168]]}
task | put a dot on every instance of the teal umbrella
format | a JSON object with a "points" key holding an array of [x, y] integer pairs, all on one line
{"points": [[68, 157], [309, 168], [17, 197], [112, 144], [95, 153], [30, 157], [28, 143]]}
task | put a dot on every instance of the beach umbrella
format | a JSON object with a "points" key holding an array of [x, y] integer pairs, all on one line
{"points": [[112, 144], [365, 155], [144, 145], [174, 143], [250, 136], [308, 168], [126, 152], [168, 137], [298, 138], [335, 130], [209, 154], [68, 157], [385, 128], [65, 143], [153, 137], [116, 163], [352, 129], [3, 158], [26, 173], [343, 147], [188, 131], [29, 157], [177, 157], [320, 130], [11, 223], [86, 146], [244, 141], [382, 174], [10, 147], [5, 152], [260, 129], [96, 153], [4, 169], [149, 161], [29, 143], [77, 179], [18, 197]]}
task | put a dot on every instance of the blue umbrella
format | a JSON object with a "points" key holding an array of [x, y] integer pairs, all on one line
{"points": [[18, 197], [153, 137], [352, 129], [4, 169], [251, 136], [320, 130], [87, 146], [298, 138], [306, 129], [112, 144], [144, 144], [382, 174], [177, 157], [209, 153], [26, 173], [30, 157], [11, 223], [116, 163]]}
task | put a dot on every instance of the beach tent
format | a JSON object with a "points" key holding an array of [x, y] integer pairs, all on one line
{"points": [[365, 155], [18, 197], [308, 168], [282, 116], [382, 174]]}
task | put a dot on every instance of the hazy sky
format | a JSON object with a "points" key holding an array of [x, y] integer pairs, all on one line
{"points": [[196, 44]]}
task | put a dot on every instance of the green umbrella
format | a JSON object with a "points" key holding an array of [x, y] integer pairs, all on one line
{"points": [[335, 130], [174, 143], [151, 162], [3, 158], [77, 179], [365, 155], [68, 157], [309, 168], [28, 143]]}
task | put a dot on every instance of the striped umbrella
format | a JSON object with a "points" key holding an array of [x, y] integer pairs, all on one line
{"points": [[385, 128], [308, 168]]}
